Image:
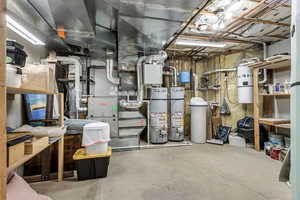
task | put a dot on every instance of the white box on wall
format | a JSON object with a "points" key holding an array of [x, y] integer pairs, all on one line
{"points": [[153, 74]]}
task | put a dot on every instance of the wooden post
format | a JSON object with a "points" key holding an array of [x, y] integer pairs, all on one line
{"points": [[61, 141], [3, 138], [256, 114]]}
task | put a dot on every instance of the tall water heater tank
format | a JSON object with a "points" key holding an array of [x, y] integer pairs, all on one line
{"points": [[245, 84], [176, 132], [159, 115]]}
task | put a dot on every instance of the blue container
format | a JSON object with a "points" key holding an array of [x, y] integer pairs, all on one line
{"points": [[36, 106], [38, 114], [185, 77]]}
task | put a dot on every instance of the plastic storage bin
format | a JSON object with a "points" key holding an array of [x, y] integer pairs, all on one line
{"points": [[91, 166], [16, 53], [96, 137], [238, 141], [12, 78]]}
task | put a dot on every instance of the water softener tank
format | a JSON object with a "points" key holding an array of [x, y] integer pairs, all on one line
{"points": [[159, 115], [198, 120], [176, 132], [245, 84]]}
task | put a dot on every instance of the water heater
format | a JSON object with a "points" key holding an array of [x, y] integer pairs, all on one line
{"points": [[245, 84]]}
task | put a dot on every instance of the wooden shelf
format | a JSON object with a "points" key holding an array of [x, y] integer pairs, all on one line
{"points": [[28, 157], [286, 126], [276, 95], [276, 64], [10, 90], [273, 121]]}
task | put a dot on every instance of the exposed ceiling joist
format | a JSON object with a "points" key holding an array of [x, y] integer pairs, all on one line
{"points": [[264, 21], [201, 37], [283, 5], [277, 36], [187, 23]]}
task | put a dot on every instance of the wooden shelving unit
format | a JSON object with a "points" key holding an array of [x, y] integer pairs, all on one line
{"points": [[263, 105], [273, 121], [3, 137], [285, 126], [30, 156], [60, 140], [10, 90]]}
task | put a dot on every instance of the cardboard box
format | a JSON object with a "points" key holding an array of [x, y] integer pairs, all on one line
{"points": [[36, 145], [38, 77], [15, 153]]}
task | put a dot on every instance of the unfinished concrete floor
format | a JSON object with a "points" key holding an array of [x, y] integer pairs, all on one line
{"points": [[206, 172]]}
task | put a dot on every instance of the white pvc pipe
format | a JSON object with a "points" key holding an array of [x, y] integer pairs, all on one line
{"points": [[196, 85], [295, 99], [265, 70], [109, 72]]}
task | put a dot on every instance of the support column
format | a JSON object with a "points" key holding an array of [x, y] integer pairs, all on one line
{"points": [[295, 99], [3, 159]]}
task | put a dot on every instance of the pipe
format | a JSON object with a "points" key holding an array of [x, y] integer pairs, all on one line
{"points": [[174, 75], [195, 84], [160, 58], [264, 70], [139, 101], [109, 71], [76, 63], [295, 98]]}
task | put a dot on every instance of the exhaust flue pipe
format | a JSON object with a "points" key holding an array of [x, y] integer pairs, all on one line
{"points": [[160, 58]]}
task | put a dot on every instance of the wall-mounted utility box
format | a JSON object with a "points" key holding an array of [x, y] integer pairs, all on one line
{"points": [[153, 74]]}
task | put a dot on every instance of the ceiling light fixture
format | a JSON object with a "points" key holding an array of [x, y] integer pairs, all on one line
{"points": [[20, 30], [199, 43]]}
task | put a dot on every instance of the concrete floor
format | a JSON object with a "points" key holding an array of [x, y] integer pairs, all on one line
{"points": [[206, 172]]}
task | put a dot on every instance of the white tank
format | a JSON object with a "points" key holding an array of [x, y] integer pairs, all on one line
{"points": [[198, 120], [245, 84]]}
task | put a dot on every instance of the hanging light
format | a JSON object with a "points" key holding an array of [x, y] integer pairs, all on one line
{"points": [[20, 30], [199, 43]]}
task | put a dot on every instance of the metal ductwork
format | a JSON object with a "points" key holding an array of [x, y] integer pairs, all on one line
{"points": [[76, 17]]}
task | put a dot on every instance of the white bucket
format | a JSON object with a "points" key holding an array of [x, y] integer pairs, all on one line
{"points": [[12, 78]]}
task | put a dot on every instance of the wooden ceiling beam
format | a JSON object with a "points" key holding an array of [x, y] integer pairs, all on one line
{"points": [[277, 36], [283, 5], [264, 21]]}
